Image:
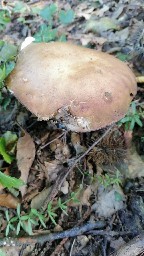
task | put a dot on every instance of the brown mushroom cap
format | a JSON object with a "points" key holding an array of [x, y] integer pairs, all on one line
{"points": [[85, 89]]}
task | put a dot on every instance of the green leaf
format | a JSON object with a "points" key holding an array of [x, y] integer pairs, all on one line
{"points": [[4, 17], [138, 121], [20, 7], [18, 228], [8, 52], [125, 119], [14, 219], [5, 103], [29, 228], [46, 34], [133, 107], [122, 56], [10, 140], [7, 158], [62, 38], [66, 17], [9, 67], [2, 73], [35, 212], [47, 12], [132, 124], [10, 182], [18, 210], [1, 44], [7, 230], [25, 217], [118, 197], [42, 222], [33, 221], [7, 215], [2, 252]]}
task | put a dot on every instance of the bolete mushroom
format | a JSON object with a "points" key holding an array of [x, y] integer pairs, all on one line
{"points": [[82, 88]]}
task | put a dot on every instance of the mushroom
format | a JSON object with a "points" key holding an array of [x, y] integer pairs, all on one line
{"points": [[82, 88]]}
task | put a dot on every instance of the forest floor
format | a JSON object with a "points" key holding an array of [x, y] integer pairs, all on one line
{"points": [[97, 197]]}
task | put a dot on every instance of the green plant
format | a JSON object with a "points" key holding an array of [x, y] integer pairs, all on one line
{"points": [[51, 213], [47, 31], [10, 182], [2, 253], [107, 180], [61, 205], [24, 222], [132, 118], [7, 150], [8, 53], [66, 17], [7, 146], [27, 221], [4, 19]]}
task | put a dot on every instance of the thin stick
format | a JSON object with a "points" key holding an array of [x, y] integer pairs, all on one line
{"points": [[63, 175], [42, 147], [85, 153], [42, 238]]}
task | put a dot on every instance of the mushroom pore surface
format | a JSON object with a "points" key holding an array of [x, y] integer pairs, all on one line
{"points": [[82, 88]]}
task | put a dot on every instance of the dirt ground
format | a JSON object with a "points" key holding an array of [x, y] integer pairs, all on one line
{"points": [[95, 198]]}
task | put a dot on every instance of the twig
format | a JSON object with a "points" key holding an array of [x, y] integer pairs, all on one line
{"points": [[85, 153], [58, 249], [134, 247], [108, 233], [42, 238], [72, 247], [63, 174], [42, 147]]}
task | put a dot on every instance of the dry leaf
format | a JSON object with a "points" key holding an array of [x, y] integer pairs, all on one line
{"points": [[25, 157], [101, 25], [107, 204], [61, 150], [10, 250], [38, 201], [9, 201], [64, 187], [75, 139], [52, 169], [135, 164]]}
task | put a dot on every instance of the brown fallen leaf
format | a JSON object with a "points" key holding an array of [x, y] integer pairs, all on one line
{"points": [[38, 201], [134, 164], [9, 201], [51, 169], [25, 157]]}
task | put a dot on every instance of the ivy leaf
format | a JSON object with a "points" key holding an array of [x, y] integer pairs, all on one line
{"points": [[4, 19], [122, 56], [66, 17], [9, 67], [48, 12], [10, 182], [46, 34], [8, 52]]}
